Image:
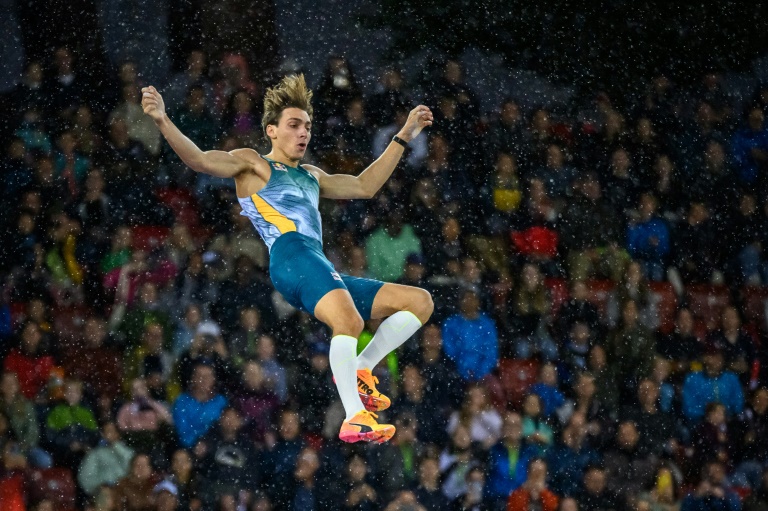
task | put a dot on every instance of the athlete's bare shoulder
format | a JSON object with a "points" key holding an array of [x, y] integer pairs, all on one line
{"points": [[260, 171], [315, 171]]}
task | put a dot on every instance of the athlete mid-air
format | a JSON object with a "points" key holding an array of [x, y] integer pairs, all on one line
{"points": [[281, 196]]}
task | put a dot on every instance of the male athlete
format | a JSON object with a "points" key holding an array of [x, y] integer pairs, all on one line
{"points": [[280, 196]]}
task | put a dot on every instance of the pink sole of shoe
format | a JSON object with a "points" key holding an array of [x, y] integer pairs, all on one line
{"points": [[378, 437]]}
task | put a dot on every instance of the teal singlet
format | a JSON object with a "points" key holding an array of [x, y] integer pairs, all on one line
{"points": [[288, 203]]}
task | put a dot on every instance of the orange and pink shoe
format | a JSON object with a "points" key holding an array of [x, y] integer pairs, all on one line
{"points": [[364, 428], [373, 400]]}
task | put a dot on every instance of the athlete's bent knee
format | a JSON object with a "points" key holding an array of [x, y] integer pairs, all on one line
{"points": [[352, 325], [423, 305]]}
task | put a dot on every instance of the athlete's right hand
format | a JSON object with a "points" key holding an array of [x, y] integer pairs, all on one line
{"points": [[152, 103]]}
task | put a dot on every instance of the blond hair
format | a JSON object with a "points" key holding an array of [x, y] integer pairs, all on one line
{"points": [[291, 92]]}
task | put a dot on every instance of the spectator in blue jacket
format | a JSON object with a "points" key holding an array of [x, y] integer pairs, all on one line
{"points": [[749, 147], [569, 458], [710, 385], [508, 461], [470, 339], [196, 410], [648, 238], [712, 492]]}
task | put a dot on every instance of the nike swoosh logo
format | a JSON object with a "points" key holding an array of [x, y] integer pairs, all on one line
{"points": [[363, 427]]}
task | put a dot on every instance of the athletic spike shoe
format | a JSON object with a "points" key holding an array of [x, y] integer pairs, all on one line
{"points": [[364, 428], [373, 400]]}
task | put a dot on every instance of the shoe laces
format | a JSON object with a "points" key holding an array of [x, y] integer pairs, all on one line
{"points": [[375, 380], [371, 414]]}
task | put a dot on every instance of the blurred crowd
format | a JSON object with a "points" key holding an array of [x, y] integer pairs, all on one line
{"points": [[599, 272]]}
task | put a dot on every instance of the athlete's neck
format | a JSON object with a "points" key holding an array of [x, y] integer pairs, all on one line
{"points": [[279, 156]]}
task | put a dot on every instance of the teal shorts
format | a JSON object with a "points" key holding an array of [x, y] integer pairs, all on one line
{"points": [[303, 275]]}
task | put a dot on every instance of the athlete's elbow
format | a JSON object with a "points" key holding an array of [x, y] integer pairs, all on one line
{"points": [[367, 192]]}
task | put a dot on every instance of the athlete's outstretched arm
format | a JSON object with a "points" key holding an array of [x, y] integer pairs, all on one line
{"points": [[365, 186], [215, 163]]}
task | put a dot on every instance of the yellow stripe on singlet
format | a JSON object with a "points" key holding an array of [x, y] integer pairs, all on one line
{"points": [[273, 216]]}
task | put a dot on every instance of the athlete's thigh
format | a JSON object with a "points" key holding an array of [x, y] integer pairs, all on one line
{"points": [[337, 310], [392, 298], [363, 291]]}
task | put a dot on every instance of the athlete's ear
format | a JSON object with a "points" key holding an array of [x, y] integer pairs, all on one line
{"points": [[271, 128]]}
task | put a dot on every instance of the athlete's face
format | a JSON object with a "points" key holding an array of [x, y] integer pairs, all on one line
{"points": [[292, 133]]}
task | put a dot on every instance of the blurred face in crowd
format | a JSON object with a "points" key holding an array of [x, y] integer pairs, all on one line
{"points": [[629, 313], [110, 433], [661, 369], [406, 429], [537, 471], [453, 71], [181, 463], [196, 99], [510, 113], [647, 206], [568, 504], [253, 375], [580, 334], [266, 348], [548, 375], [203, 379], [531, 278], [357, 258], [141, 468], [585, 386], [451, 230], [555, 158], [512, 429], [715, 473], [597, 358], [148, 294], [357, 469], [461, 438], [230, 422], [139, 388], [413, 381], [250, 319], [760, 401], [9, 386], [620, 162], [153, 338], [532, 405], [289, 425], [684, 323], [714, 155], [30, 338], [429, 472], [594, 481], [306, 464], [73, 392], [34, 73], [647, 393], [579, 291], [627, 436], [716, 415], [755, 119], [713, 363], [431, 337], [730, 319], [540, 121], [94, 332], [470, 304]]}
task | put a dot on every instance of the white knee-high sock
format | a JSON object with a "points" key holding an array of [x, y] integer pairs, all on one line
{"points": [[392, 332], [343, 359]]}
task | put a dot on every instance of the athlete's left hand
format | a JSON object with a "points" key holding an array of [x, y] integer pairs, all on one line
{"points": [[419, 118]]}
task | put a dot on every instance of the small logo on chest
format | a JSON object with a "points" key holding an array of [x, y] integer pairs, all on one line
{"points": [[280, 166]]}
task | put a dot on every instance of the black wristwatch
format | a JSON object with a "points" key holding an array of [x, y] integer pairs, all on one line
{"points": [[400, 141]]}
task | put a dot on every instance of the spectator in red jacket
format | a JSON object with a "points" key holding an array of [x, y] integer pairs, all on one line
{"points": [[28, 362], [534, 494]]}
